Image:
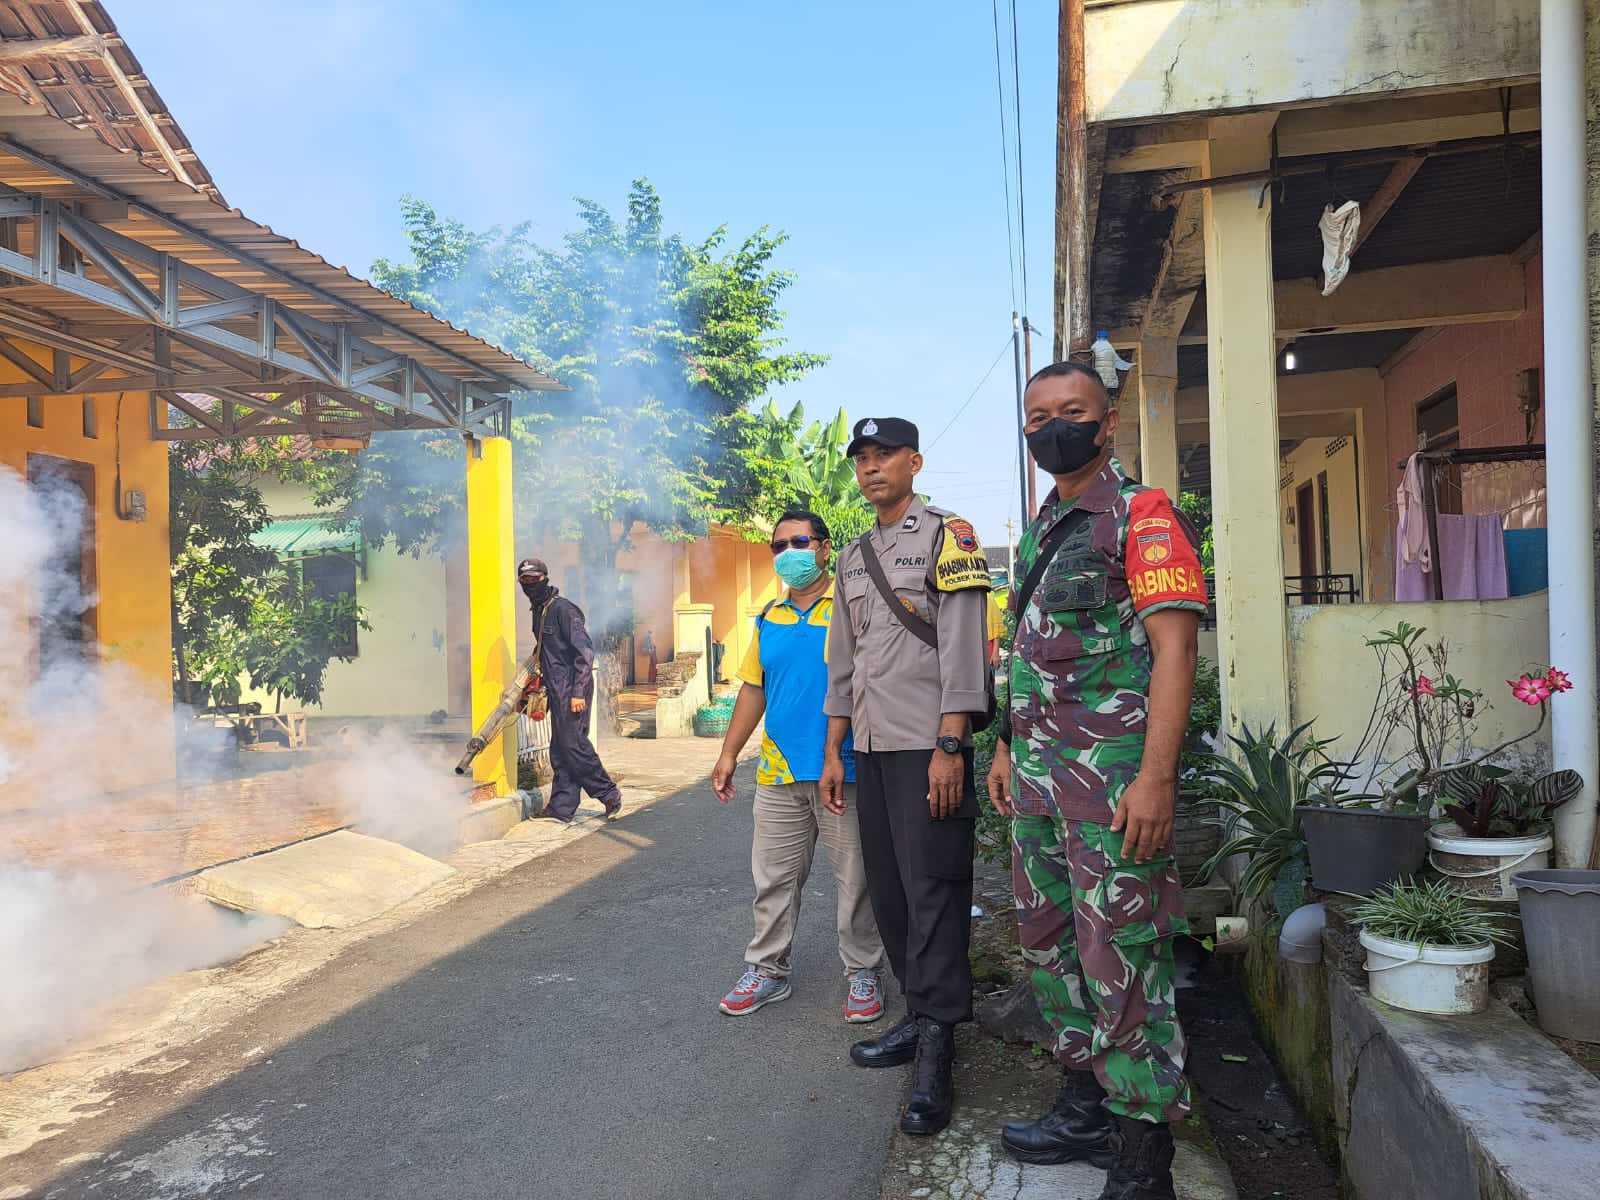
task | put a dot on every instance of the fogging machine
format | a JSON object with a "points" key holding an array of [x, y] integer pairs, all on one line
{"points": [[525, 694]]}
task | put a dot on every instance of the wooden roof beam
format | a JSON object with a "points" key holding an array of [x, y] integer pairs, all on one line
{"points": [[88, 46], [1399, 178]]}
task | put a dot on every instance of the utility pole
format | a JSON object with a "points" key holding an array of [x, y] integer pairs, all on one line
{"points": [[1011, 554], [1022, 442], [1032, 492]]}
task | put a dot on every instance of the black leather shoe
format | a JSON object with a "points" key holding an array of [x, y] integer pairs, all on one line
{"points": [[1076, 1129], [896, 1045], [1143, 1166], [932, 1092]]}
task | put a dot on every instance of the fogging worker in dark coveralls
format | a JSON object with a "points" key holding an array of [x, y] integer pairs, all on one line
{"points": [[907, 670], [566, 662]]}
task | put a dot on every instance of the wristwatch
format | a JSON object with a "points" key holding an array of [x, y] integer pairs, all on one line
{"points": [[950, 745]]}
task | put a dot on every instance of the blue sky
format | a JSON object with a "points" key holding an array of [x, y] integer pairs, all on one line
{"points": [[869, 133]]}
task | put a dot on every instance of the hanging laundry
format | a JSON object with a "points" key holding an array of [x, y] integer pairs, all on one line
{"points": [[1472, 561], [1339, 228]]}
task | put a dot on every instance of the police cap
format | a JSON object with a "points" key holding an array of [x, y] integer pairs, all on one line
{"points": [[888, 432]]}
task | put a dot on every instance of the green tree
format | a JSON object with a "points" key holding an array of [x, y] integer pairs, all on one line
{"points": [[237, 611], [666, 344], [805, 466], [1198, 509]]}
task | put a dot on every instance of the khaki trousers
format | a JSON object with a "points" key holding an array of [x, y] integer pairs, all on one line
{"points": [[789, 818]]}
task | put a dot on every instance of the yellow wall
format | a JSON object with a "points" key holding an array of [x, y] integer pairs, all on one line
{"points": [[1177, 57], [1303, 465], [1334, 675], [132, 559], [402, 668]]}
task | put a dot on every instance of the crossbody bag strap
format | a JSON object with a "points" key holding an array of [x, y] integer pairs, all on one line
{"points": [[923, 631], [1047, 551]]}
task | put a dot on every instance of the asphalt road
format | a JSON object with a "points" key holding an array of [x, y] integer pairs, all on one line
{"points": [[553, 1034]]}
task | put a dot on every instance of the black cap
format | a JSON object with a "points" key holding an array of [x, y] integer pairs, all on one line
{"points": [[531, 567], [888, 432]]}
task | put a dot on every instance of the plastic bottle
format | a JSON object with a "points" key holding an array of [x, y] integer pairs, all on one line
{"points": [[1107, 362]]}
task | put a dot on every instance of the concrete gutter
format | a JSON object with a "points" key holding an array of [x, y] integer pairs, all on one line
{"points": [[1445, 1108]]}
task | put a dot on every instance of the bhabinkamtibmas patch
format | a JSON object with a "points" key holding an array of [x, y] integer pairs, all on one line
{"points": [[961, 562]]}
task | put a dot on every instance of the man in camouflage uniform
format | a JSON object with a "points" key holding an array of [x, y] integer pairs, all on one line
{"points": [[1102, 669]]}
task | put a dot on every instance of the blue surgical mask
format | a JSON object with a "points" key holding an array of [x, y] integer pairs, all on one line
{"points": [[797, 568]]}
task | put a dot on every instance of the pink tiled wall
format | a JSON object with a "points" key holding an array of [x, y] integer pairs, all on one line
{"points": [[1483, 362]]}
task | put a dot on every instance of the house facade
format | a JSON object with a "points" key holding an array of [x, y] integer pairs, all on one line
{"points": [[414, 659], [127, 288], [1206, 175]]}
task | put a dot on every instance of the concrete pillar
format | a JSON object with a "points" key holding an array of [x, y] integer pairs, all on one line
{"points": [[1158, 413], [1252, 620], [491, 583], [1569, 418], [1375, 495], [743, 598], [1125, 445]]}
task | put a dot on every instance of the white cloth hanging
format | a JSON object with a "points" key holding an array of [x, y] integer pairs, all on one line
{"points": [[1339, 228], [1411, 532]]}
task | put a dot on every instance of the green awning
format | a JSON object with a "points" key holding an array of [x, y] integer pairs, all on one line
{"points": [[305, 536]]}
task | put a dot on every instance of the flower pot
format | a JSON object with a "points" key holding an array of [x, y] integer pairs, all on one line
{"points": [[1561, 920], [1484, 866], [1358, 850], [1427, 978], [1233, 935]]}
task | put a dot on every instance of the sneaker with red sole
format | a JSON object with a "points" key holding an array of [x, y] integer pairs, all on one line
{"points": [[754, 989], [864, 1002]]}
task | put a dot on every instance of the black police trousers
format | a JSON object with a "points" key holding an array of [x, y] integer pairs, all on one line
{"points": [[919, 875], [574, 761]]}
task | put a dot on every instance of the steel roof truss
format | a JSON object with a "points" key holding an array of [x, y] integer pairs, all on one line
{"points": [[156, 288]]}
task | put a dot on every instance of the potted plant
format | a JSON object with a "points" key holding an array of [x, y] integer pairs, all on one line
{"points": [[1428, 948], [1498, 825], [1194, 838], [1258, 801], [1423, 724]]}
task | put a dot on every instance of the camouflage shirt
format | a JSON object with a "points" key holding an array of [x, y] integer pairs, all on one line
{"points": [[1080, 663]]}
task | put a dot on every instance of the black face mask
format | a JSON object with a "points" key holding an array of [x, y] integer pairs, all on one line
{"points": [[1062, 447], [536, 592]]}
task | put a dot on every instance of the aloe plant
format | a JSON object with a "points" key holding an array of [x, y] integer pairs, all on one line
{"points": [[1429, 914], [1256, 799], [1488, 802]]}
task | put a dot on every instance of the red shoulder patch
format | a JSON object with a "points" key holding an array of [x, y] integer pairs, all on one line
{"points": [[966, 537]]}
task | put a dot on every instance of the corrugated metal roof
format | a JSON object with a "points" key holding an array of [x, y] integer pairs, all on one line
{"points": [[304, 536], [44, 155], [67, 56]]}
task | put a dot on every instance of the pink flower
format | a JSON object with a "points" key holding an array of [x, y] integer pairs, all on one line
{"points": [[1424, 687], [1530, 689], [1558, 681]]}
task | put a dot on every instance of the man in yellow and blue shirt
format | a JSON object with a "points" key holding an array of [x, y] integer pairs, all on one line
{"points": [[784, 677]]}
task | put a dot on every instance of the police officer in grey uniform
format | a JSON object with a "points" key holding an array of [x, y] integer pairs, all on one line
{"points": [[908, 676]]}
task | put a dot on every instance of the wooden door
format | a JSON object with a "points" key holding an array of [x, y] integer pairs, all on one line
{"points": [[1305, 519]]}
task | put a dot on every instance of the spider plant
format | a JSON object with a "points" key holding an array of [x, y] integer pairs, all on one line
{"points": [[1255, 799], [1429, 914]]}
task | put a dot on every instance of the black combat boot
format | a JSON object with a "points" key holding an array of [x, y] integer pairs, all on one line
{"points": [[1077, 1129], [932, 1093], [896, 1045], [1143, 1169]]}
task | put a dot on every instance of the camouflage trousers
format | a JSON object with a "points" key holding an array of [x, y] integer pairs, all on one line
{"points": [[1098, 932]]}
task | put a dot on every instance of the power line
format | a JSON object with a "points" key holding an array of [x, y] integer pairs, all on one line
{"points": [[975, 391], [1005, 156], [1016, 129]]}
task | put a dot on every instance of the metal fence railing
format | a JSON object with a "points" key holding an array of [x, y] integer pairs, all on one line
{"points": [[1320, 589]]}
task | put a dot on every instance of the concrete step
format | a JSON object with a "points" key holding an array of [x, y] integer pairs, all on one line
{"points": [[330, 882]]}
